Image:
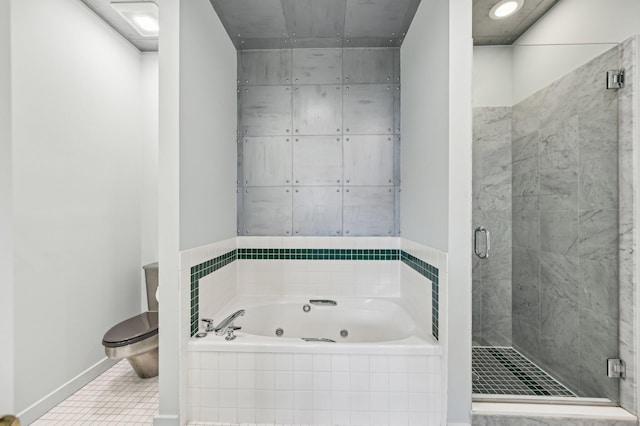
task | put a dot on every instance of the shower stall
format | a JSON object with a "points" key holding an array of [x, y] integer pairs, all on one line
{"points": [[552, 213]]}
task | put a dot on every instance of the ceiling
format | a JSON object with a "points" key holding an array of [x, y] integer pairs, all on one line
{"points": [[105, 11], [487, 31], [275, 24]]}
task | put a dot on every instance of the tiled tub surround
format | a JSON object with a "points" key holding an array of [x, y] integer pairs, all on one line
{"points": [[566, 226], [382, 385], [318, 142], [492, 208], [320, 386]]}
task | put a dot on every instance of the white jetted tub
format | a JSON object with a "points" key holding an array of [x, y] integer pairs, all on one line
{"points": [[355, 325]]}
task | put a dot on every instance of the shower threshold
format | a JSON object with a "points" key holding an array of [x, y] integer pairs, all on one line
{"points": [[502, 374]]}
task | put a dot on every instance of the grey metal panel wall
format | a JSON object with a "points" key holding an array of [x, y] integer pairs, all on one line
{"points": [[300, 171]]}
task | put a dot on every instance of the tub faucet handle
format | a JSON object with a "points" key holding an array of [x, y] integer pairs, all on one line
{"points": [[230, 332], [209, 324]]}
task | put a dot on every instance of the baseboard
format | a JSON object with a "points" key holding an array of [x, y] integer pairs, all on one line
{"points": [[36, 410], [166, 420], [458, 424]]}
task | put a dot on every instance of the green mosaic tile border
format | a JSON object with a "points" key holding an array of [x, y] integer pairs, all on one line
{"points": [[205, 268], [431, 273], [318, 254], [202, 270]]}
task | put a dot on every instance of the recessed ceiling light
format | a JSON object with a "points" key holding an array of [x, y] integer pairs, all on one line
{"points": [[505, 8], [142, 16]]}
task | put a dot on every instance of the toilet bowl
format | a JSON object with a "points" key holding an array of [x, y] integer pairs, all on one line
{"points": [[136, 338]]}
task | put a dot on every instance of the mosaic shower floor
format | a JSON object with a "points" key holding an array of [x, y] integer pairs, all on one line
{"points": [[504, 371]]}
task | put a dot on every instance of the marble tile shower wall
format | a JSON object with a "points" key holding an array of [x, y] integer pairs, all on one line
{"points": [[319, 142], [492, 209], [565, 227]]}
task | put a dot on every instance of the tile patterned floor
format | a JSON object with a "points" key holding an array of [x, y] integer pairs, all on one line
{"points": [[117, 397], [504, 371]]}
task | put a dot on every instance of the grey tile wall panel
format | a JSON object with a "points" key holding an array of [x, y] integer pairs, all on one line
{"points": [[560, 275], [250, 19], [239, 161], [368, 211], [267, 211], [317, 66], [559, 319], [598, 283], [368, 42], [492, 124], [559, 189], [496, 311], [266, 110], [398, 203], [264, 67], [317, 110], [559, 145], [368, 65], [276, 43], [526, 229], [239, 211], [598, 342], [317, 160], [316, 43], [317, 211], [313, 18], [526, 154], [370, 18], [559, 232], [396, 65], [369, 160], [599, 235], [598, 177], [397, 110], [397, 158], [476, 311], [268, 161], [526, 184], [368, 109], [526, 334]]}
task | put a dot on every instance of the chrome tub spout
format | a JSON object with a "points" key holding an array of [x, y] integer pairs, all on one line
{"points": [[228, 323]]}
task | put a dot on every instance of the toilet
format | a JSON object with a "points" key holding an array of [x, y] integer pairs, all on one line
{"points": [[137, 337]]}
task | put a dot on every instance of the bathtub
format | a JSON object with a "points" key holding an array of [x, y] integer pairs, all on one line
{"points": [[385, 370], [354, 325]]}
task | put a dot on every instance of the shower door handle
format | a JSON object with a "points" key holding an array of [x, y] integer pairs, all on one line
{"points": [[487, 237]]}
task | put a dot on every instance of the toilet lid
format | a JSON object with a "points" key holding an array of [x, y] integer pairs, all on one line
{"points": [[132, 330]]}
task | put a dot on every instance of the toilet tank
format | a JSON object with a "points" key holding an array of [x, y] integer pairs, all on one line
{"points": [[151, 278]]}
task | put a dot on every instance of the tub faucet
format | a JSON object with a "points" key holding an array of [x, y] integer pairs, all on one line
{"points": [[227, 323]]}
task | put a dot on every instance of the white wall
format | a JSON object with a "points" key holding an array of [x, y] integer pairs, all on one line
{"points": [[572, 33], [208, 124], [149, 166], [436, 67], [197, 196], [425, 127], [76, 193], [586, 21], [6, 263], [458, 294], [492, 76], [149, 169]]}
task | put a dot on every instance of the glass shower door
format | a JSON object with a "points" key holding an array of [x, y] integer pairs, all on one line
{"points": [[545, 302]]}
